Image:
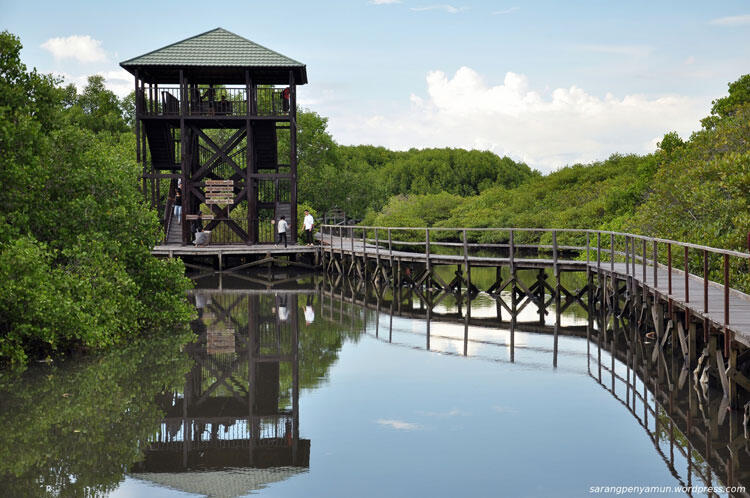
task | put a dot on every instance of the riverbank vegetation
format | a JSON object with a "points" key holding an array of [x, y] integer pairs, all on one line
{"points": [[75, 236]]}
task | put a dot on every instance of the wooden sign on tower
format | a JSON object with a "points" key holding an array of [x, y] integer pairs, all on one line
{"points": [[220, 192]]}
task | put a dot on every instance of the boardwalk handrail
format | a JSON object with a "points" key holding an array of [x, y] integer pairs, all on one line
{"points": [[647, 238], [603, 248]]}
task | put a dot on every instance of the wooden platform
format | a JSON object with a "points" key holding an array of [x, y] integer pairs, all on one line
{"points": [[173, 250]]}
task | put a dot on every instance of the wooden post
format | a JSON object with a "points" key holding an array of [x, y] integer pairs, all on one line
{"points": [[293, 152], [732, 357], [554, 255], [612, 252], [687, 277], [364, 255], [691, 343], [428, 282], [656, 266], [377, 254], [467, 267], [669, 269], [498, 306], [138, 112], [184, 166], [253, 221], [627, 255], [390, 259], [557, 307], [705, 281], [590, 311], [727, 332], [513, 306]]}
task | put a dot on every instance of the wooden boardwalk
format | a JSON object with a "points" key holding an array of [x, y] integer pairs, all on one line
{"points": [[173, 250], [704, 301]]}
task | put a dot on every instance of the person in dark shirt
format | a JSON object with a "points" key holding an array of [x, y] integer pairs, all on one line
{"points": [[178, 204]]}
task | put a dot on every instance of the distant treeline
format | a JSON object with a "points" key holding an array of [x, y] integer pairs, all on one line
{"points": [[362, 178]]}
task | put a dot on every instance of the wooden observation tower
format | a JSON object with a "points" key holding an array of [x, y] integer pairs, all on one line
{"points": [[216, 118]]}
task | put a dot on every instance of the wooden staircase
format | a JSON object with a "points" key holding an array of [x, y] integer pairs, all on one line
{"points": [[266, 152], [175, 232], [161, 145]]}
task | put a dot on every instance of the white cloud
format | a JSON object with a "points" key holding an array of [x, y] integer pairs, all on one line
{"points": [[398, 424], [505, 11], [629, 50], [118, 81], [384, 2], [690, 61], [83, 48], [455, 412], [741, 20], [444, 7], [547, 130]]}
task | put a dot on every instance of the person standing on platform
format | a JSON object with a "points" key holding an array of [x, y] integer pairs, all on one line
{"points": [[281, 227], [178, 204], [309, 223]]}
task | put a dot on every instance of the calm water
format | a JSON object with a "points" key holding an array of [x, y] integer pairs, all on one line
{"points": [[306, 392]]}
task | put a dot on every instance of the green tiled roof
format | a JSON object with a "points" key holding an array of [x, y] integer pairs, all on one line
{"points": [[218, 48]]}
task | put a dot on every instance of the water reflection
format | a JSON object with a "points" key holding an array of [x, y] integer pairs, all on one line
{"points": [[701, 442], [72, 429], [239, 408], [222, 416], [442, 322]]}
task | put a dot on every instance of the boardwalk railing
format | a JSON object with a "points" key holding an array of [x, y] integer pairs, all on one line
{"points": [[679, 270]]}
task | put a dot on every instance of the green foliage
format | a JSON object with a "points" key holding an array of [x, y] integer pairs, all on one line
{"points": [[98, 109], [74, 429], [599, 195], [361, 178], [670, 143], [739, 94], [701, 195], [415, 210], [75, 236]]}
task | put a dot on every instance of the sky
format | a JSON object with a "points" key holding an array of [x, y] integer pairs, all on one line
{"points": [[549, 83]]}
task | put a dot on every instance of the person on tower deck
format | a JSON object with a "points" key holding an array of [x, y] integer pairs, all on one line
{"points": [[281, 228], [285, 100], [309, 223]]}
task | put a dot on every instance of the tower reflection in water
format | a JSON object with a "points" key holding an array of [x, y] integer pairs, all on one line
{"points": [[236, 423]]}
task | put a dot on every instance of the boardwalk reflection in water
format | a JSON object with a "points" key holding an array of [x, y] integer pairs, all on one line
{"points": [[701, 442]]}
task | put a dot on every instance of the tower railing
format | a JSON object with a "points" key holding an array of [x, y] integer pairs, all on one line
{"points": [[218, 102]]}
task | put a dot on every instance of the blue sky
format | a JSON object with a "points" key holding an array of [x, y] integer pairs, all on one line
{"points": [[546, 82]]}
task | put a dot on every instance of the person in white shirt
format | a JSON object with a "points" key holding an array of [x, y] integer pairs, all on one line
{"points": [[309, 223], [283, 311], [309, 311], [281, 227]]}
